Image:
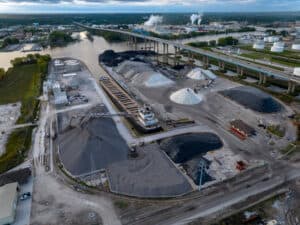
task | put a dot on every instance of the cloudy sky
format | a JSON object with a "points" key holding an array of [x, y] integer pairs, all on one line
{"points": [[48, 6]]}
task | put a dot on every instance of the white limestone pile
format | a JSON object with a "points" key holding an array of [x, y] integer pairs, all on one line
{"points": [[157, 80], [196, 74], [186, 96]]}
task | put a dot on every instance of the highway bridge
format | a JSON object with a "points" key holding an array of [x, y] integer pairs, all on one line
{"points": [[222, 59]]}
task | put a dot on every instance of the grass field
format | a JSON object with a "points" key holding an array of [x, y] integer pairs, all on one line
{"points": [[22, 83], [18, 84], [286, 58], [17, 146]]}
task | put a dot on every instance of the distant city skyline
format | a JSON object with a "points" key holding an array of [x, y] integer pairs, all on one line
{"points": [[145, 6]]}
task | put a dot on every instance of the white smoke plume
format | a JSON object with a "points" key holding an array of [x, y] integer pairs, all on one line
{"points": [[153, 20], [196, 17]]}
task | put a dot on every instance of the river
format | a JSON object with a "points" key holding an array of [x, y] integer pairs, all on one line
{"points": [[84, 50], [88, 51]]}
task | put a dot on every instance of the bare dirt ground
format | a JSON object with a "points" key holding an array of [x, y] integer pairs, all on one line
{"points": [[56, 203], [8, 116]]}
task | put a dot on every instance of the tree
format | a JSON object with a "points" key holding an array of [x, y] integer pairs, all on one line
{"points": [[59, 38], [9, 41], [227, 41], [200, 44], [2, 73], [212, 43]]}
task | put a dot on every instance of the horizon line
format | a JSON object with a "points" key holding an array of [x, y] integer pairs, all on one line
{"points": [[140, 12]]}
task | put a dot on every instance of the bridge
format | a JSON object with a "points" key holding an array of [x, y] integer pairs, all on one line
{"points": [[222, 59]]}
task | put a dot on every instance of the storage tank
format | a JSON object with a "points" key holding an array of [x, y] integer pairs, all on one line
{"points": [[279, 44], [296, 47], [72, 65], [297, 71], [277, 47], [259, 45], [271, 39]]}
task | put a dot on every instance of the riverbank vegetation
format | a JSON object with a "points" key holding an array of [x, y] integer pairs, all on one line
{"points": [[221, 42], [16, 147], [60, 38], [109, 36], [22, 83], [9, 41]]}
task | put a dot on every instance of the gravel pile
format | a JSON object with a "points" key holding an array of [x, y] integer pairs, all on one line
{"points": [[142, 73], [196, 74], [186, 96], [254, 99], [185, 147], [157, 80], [92, 147]]}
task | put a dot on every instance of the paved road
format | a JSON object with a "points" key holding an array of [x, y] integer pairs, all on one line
{"points": [[24, 207], [18, 126]]}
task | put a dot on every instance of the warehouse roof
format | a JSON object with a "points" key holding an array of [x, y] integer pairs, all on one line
{"points": [[8, 194]]}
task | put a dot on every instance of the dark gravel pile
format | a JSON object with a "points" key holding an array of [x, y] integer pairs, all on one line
{"points": [[112, 59], [150, 175], [188, 150], [254, 99], [92, 147], [185, 147]]}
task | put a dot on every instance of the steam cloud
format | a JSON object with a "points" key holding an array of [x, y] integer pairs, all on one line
{"points": [[196, 17], [154, 20]]}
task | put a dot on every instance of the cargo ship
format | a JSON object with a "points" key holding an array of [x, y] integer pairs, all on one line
{"points": [[142, 117]]}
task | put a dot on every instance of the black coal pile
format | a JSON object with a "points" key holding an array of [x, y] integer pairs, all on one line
{"points": [[254, 99], [188, 150], [178, 67], [185, 147], [112, 59]]}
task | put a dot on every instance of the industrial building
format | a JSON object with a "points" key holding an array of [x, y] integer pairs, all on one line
{"points": [[60, 97], [8, 203], [72, 65]]}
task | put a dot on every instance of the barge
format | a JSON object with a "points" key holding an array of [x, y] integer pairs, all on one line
{"points": [[142, 117]]}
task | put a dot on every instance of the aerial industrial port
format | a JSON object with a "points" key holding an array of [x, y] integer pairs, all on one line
{"points": [[163, 133]]}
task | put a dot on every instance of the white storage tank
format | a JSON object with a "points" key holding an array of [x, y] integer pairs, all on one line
{"points": [[279, 44], [296, 47], [259, 45], [271, 39], [277, 47], [297, 71], [72, 65]]}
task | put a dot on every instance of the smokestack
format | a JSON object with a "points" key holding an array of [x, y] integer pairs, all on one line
{"points": [[196, 17], [153, 21]]}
